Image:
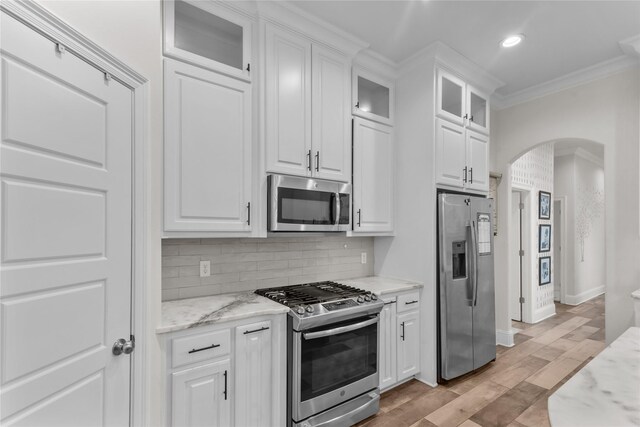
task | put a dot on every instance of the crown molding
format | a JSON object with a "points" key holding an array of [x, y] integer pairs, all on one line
{"points": [[576, 78], [446, 57], [376, 63], [579, 152], [292, 17]]}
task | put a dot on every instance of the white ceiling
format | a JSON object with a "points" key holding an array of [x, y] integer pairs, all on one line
{"points": [[561, 36]]}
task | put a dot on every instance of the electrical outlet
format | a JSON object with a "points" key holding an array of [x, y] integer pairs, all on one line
{"points": [[363, 257], [205, 268]]}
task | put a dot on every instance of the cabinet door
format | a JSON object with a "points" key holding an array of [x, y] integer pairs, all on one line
{"points": [[372, 177], [477, 161], [478, 111], [207, 156], [450, 154], [288, 103], [253, 396], [200, 396], [450, 98], [387, 362], [373, 97], [208, 34], [408, 344], [331, 124]]}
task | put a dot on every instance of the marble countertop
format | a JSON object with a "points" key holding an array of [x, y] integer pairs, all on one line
{"points": [[381, 285], [192, 312], [606, 392], [189, 313]]}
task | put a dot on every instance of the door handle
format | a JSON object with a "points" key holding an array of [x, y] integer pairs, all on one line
{"points": [[475, 264], [249, 213], [359, 215], [465, 174], [336, 209], [317, 161], [309, 160], [402, 334], [471, 175], [225, 385], [123, 346]]}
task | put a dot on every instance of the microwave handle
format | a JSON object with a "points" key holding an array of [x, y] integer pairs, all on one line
{"points": [[339, 330], [336, 208]]}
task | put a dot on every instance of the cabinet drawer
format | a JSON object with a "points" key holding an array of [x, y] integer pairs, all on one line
{"points": [[196, 348], [408, 302]]}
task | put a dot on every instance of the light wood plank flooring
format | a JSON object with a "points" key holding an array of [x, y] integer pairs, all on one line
{"points": [[513, 390]]}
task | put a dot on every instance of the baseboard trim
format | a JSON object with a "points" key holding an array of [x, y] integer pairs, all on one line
{"points": [[584, 296], [544, 313], [505, 338]]}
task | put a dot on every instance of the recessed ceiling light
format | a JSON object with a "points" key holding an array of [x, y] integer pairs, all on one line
{"points": [[512, 40]]}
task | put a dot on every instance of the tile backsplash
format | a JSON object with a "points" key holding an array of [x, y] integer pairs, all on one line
{"points": [[248, 264]]}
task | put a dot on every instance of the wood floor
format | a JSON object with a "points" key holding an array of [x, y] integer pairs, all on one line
{"points": [[513, 390]]}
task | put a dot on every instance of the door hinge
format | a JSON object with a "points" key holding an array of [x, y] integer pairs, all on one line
{"points": [[248, 67], [521, 300], [521, 206], [521, 252]]}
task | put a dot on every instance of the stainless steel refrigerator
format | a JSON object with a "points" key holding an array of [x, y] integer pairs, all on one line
{"points": [[466, 304]]}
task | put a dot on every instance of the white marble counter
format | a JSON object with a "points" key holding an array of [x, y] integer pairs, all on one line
{"points": [[192, 312], [606, 392], [381, 285]]}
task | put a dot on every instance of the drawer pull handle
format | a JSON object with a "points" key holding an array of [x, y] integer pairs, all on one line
{"points": [[195, 350], [410, 302], [264, 328]]}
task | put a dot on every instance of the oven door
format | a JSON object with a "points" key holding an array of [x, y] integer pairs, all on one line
{"points": [[333, 364], [306, 204]]}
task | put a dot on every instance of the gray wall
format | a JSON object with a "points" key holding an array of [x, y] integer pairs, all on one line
{"points": [[248, 264]]}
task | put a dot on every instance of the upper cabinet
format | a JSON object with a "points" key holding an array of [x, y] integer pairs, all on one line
{"points": [[373, 97], [207, 151], [460, 103], [307, 88], [462, 135], [208, 34]]}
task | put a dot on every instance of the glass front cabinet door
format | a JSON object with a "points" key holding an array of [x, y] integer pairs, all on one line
{"points": [[210, 35], [461, 103], [373, 97], [477, 110]]}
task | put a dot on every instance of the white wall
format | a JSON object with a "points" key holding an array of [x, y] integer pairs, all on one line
{"points": [[606, 111], [534, 170], [132, 32], [581, 179]]}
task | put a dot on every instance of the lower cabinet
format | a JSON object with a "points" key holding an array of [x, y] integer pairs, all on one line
{"points": [[227, 375], [253, 374], [200, 396], [399, 339]]}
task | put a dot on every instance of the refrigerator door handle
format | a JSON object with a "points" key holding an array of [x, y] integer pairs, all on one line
{"points": [[474, 243], [472, 266]]}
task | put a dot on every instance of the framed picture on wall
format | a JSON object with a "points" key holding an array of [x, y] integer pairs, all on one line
{"points": [[544, 265], [544, 205], [544, 238]]}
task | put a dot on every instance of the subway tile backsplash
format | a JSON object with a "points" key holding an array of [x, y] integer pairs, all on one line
{"points": [[248, 264]]}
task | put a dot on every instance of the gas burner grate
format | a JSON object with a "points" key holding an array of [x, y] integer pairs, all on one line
{"points": [[310, 293]]}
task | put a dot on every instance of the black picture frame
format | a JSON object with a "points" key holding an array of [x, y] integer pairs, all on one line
{"points": [[544, 238], [544, 205], [544, 270]]}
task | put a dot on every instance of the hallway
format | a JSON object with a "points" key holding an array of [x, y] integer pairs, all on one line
{"points": [[513, 390]]}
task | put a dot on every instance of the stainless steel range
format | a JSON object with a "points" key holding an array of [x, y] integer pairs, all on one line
{"points": [[332, 351]]}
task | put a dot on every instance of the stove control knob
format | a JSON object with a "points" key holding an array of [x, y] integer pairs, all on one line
{"points": [[360, 299], [373, 297], [367, 297], [309, 309], [300, 309]]}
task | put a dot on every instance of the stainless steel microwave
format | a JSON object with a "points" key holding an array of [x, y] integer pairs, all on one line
{"points": [[308, 204]]}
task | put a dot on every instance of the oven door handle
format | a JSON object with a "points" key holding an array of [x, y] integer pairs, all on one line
{"points": [[336, 208], [340, 330]]}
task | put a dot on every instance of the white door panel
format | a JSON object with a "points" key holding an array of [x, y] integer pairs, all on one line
{"points": [[66, 236], [477, 161], [331, 139], [450, 153]]}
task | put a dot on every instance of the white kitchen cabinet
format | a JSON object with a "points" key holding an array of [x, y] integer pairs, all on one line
{"points": [[460, 103], [387, 360], [200, 395], [373, 177], [207, 151], [331, 130], [408, 344], [462, 157], [301, 96], [253, 374], [477, 156], [373, 97], [209, 34]]}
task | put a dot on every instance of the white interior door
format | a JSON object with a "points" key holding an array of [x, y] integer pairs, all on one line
{"points": [[66, 236], [515, 281], [557, 248]]}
